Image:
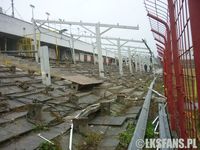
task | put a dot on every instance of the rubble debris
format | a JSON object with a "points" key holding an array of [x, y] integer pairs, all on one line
{"points": [[23, 85], [13, 69], [31, 72]]}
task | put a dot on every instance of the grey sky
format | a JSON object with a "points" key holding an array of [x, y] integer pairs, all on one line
{"points": [[126, 12]]}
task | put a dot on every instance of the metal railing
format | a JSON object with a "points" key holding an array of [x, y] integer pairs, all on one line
{"points": [[142, 121]]}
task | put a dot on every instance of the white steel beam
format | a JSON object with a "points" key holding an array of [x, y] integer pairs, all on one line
{"points": [[87, 24], [123, 50], [110, 38], [88, 29], [135, 47], [97, 36], [106, 30]]}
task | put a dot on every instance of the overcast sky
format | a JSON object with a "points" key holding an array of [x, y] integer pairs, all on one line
{"points": [[125, 12]]}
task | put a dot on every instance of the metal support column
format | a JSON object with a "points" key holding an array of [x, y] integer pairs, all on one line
{"points": [[120, 58], [34, 41], [130, 61], [136, 62], [93, 51], [45, 68], [73, 51], [100, 58], [126, 60], [139, 61]]}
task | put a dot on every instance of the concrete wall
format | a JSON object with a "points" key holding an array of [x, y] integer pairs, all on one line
{"points": [[82, 57], [77, 55]]}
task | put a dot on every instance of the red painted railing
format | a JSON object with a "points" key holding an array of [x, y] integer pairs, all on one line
{"points": [[175, 25]]}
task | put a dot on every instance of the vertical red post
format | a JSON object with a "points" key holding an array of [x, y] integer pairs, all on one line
{"points": [[169, 72], [194, 10], [169, 64], [177, 70]]}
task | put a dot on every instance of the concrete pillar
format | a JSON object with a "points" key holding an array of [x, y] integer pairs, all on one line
{"points": [[105, 108], [100, 58], [120, 58], [45, 68], [120, 98], [81, 125], [130, 61], [35, 113]]}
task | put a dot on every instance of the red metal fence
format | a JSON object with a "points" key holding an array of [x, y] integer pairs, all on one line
{"points": [[176, 28]]}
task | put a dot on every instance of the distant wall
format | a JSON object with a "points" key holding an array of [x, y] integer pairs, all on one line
{"points": [[20, 28]]}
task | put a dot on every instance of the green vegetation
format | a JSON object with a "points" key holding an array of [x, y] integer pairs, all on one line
{"points": [[41, 128], [159, 86], [125, 137], [149, 131], [47, 146], [91, 141]]}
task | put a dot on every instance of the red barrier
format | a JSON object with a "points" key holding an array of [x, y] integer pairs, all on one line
{"points": [[175, 26]]}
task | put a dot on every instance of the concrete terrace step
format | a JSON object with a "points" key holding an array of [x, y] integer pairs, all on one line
{"points": [[116, 89], [108, 120], [127, 91], [15, 129], [32, 140], [11, 116]]}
